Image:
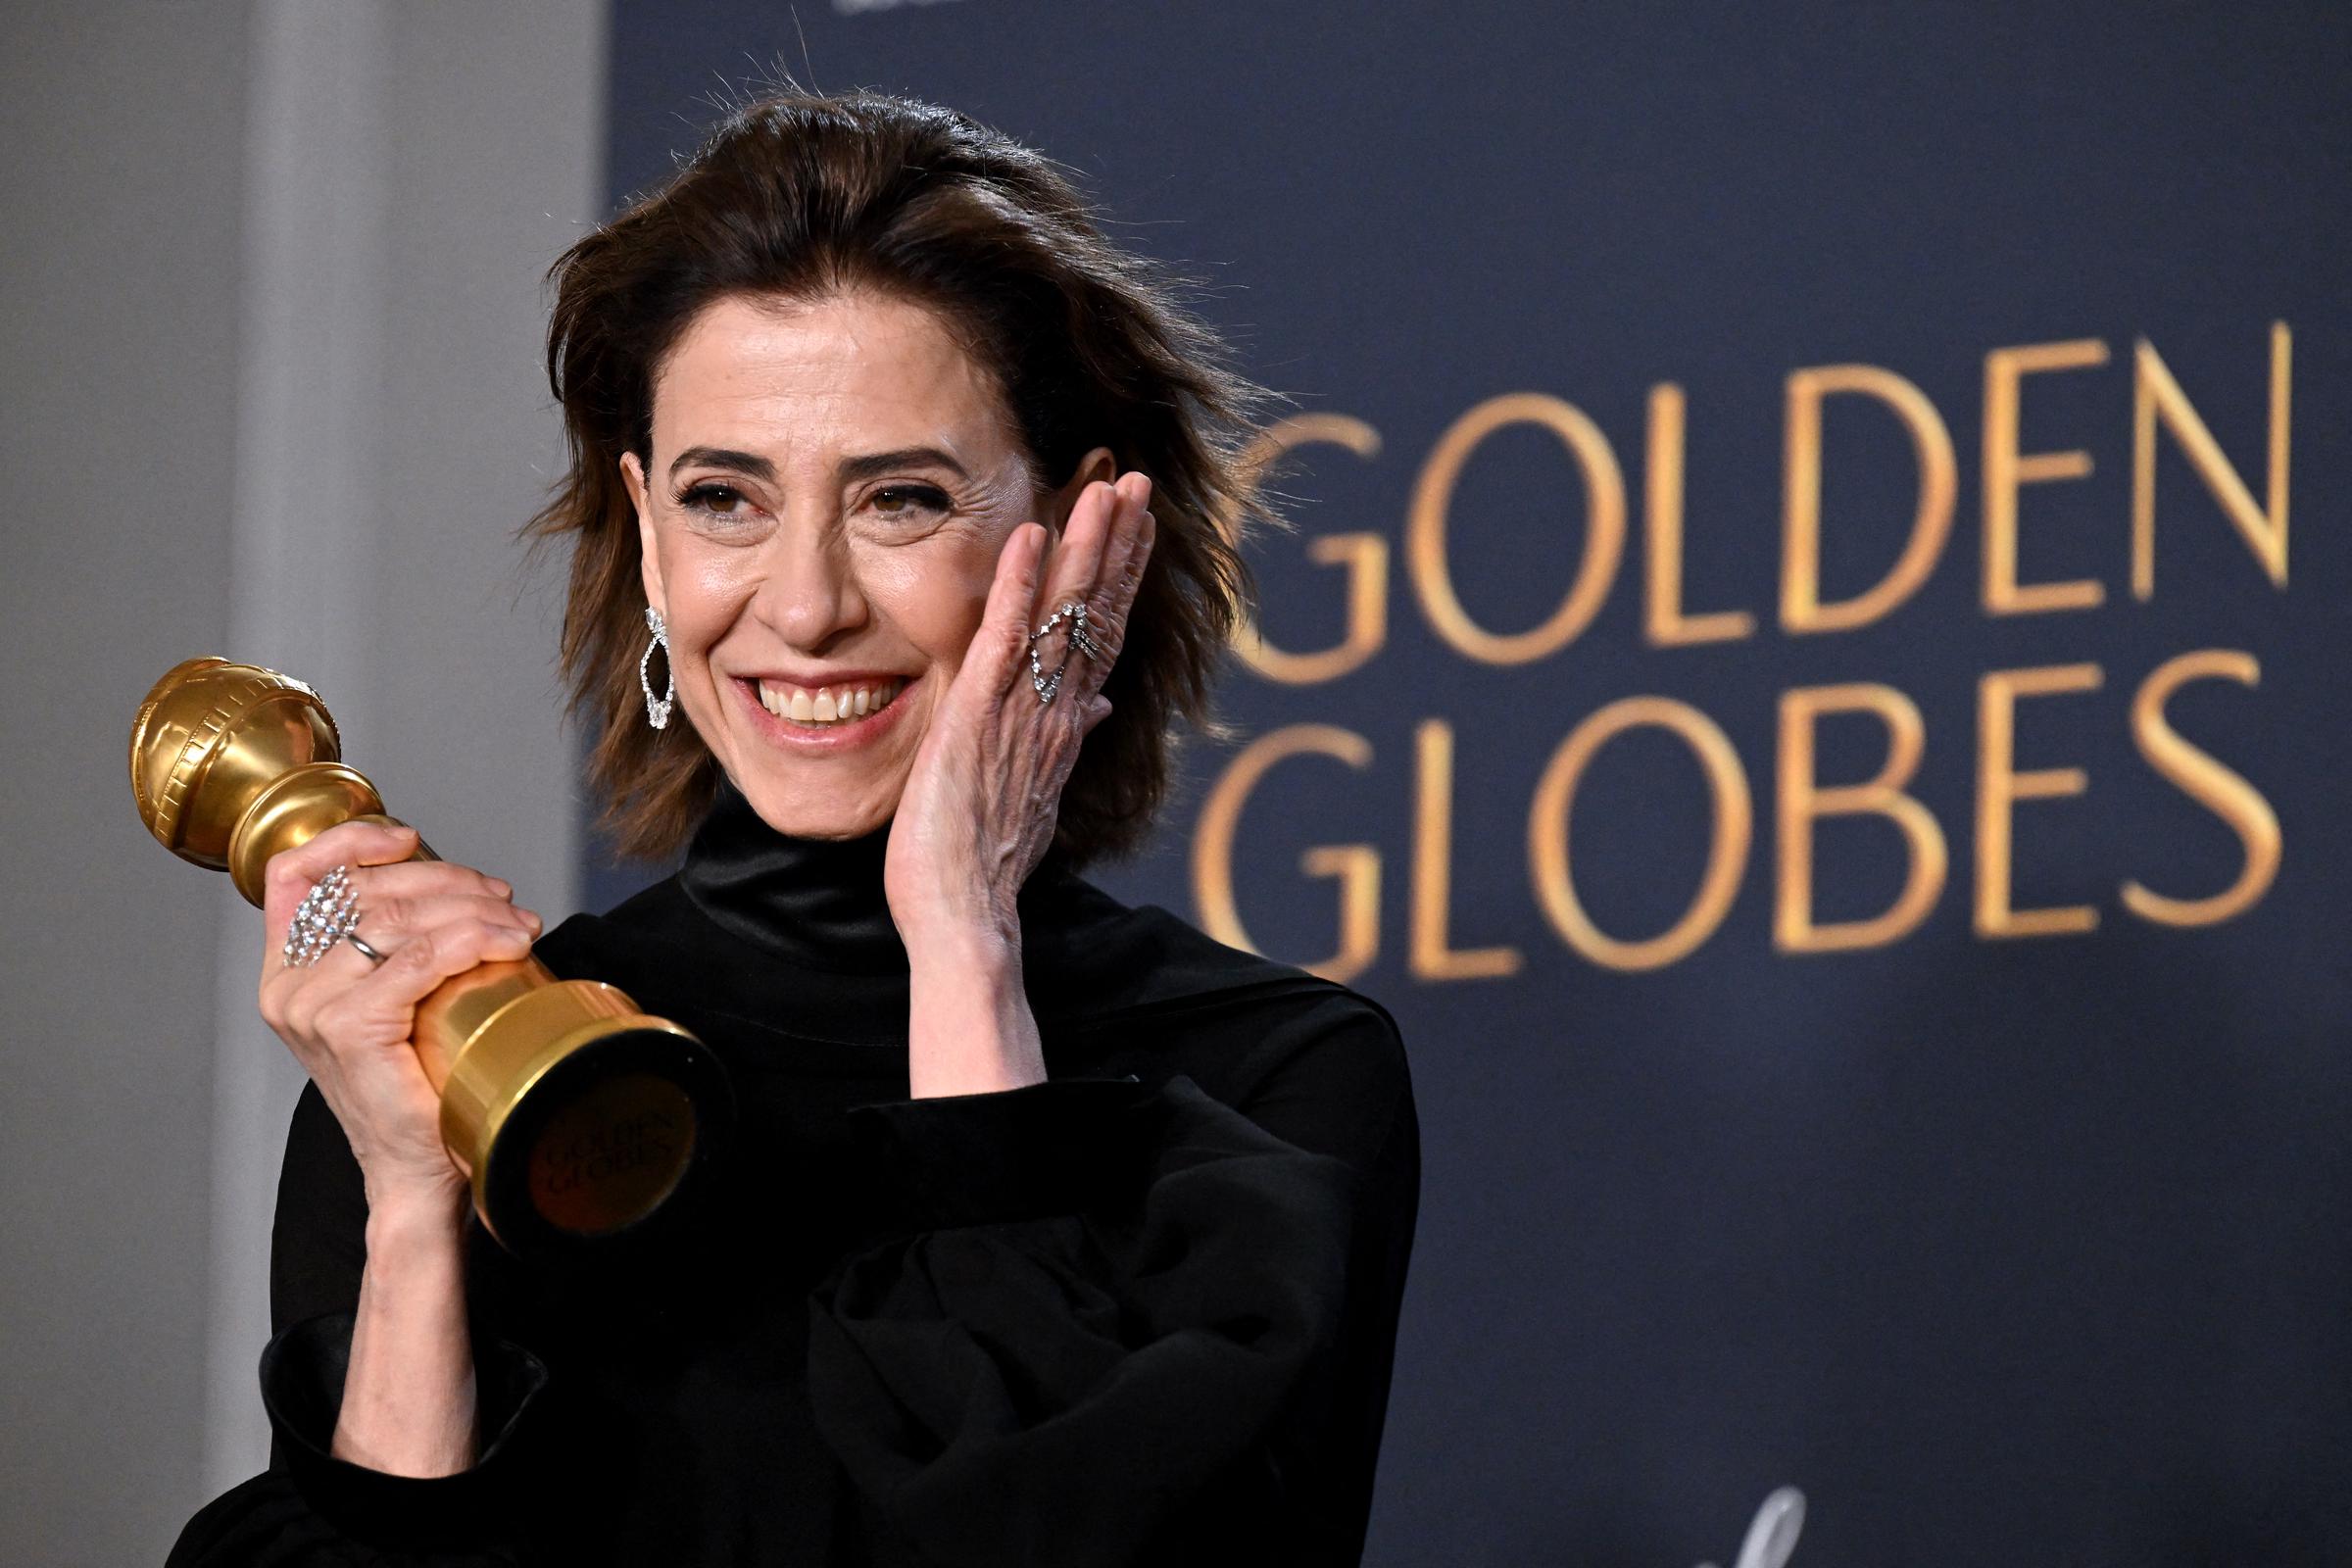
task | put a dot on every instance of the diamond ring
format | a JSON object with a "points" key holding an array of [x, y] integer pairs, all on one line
{"points": [[1082, 641], [326, 914]]}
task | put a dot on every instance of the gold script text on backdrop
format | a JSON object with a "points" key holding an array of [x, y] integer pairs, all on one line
{"points": [[1800, 802]]}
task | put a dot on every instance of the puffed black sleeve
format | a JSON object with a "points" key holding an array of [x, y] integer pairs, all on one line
{"points": [[1124, 1322], [310, 1510]]}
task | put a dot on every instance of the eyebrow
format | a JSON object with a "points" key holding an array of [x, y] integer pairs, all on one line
{"points": [[871, 466], [750, 463]]}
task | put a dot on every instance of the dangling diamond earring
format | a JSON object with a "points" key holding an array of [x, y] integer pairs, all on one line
{"points": [[657, 708]]}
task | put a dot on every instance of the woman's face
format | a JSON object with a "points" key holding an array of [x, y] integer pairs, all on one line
{"points": [[829, 488]]}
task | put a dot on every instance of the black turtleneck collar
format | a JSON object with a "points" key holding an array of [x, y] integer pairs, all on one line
{"points": [[817, 902], [817, 908]]}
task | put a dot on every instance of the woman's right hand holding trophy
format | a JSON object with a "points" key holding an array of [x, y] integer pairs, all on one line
{"points": [[349, 1017], [409, 1397]]}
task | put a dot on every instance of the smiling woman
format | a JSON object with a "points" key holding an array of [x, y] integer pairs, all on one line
{"points": [[861, 278], [1052, 1231], [845, 479]]}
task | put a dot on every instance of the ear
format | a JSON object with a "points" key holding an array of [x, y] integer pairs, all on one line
{"points": [[1098, 463], [649, 560]]}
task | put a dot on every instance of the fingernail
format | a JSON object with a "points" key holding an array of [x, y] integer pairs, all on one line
{"points": [[504, 887]]}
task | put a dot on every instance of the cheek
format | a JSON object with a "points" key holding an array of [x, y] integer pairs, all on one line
{"points": [[707, 597], [936, 593]]}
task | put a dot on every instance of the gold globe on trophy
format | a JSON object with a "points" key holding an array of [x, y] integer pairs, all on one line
{"points": [[574, 1114]]}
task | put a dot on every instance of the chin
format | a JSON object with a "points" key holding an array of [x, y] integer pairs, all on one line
{"points": [[800, 809]]}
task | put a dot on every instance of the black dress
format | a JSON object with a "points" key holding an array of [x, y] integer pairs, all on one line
{"points": [[1141, 1313]]}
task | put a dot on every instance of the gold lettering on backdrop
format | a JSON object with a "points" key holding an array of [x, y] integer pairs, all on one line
{"points": [[1434, 956], [1363, 555], [2156, 396], [2006, 469], [1732, 830], [1432, 500], [1802, 607], [1663, 621], [2210, 784], [1801, 800], [2000, 786], [1354, 867]]}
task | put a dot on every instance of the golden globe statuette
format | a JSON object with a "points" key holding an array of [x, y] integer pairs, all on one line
{"points": [[574, 1114]]}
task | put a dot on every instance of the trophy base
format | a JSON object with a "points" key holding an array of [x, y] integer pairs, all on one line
{"points": [[575, 1115], [610, 1131]]}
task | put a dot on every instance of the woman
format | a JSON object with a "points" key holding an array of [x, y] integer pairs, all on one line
{"points": [[1052, 1231]]}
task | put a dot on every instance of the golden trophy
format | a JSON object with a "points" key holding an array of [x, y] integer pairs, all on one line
{"points": [[574, 1114]]}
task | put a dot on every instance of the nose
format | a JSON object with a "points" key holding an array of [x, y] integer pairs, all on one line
{"points": [[809, 593]]}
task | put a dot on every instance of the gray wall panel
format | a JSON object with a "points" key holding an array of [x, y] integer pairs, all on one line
{"points": [[120, 175], [269, 374]]}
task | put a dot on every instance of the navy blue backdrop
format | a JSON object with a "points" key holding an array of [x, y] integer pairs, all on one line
{"points": [[2012, 1228]]}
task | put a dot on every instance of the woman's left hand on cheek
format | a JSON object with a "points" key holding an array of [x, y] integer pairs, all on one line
{"points": [[984, 794]]}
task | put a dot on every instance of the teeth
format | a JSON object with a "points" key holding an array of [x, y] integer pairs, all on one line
{"points": [[827, 704]]}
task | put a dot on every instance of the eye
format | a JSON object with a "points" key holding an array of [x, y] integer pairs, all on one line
{"points": [[714, 500], [909, 502]]}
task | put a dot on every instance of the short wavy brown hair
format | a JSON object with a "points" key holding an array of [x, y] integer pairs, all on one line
{"points": [[802, 197]]}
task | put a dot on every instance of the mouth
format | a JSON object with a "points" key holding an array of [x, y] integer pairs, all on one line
{"points": [[823, 718]]}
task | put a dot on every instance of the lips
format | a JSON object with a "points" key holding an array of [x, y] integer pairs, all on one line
{"points": [[768, 705]]}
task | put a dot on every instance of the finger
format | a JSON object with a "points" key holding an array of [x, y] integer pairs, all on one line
{"points": [[291, 873], [415, 879], [378, 1008], [1078, 555], [1134, 512], [1124, 575], [280, 994], [1132, 581], [1001, 645], [1108, 614], [299, 995], [389, 924], [386, 923], [1098, 709], [433, 954], [1134, 494], [1124, 502]]}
